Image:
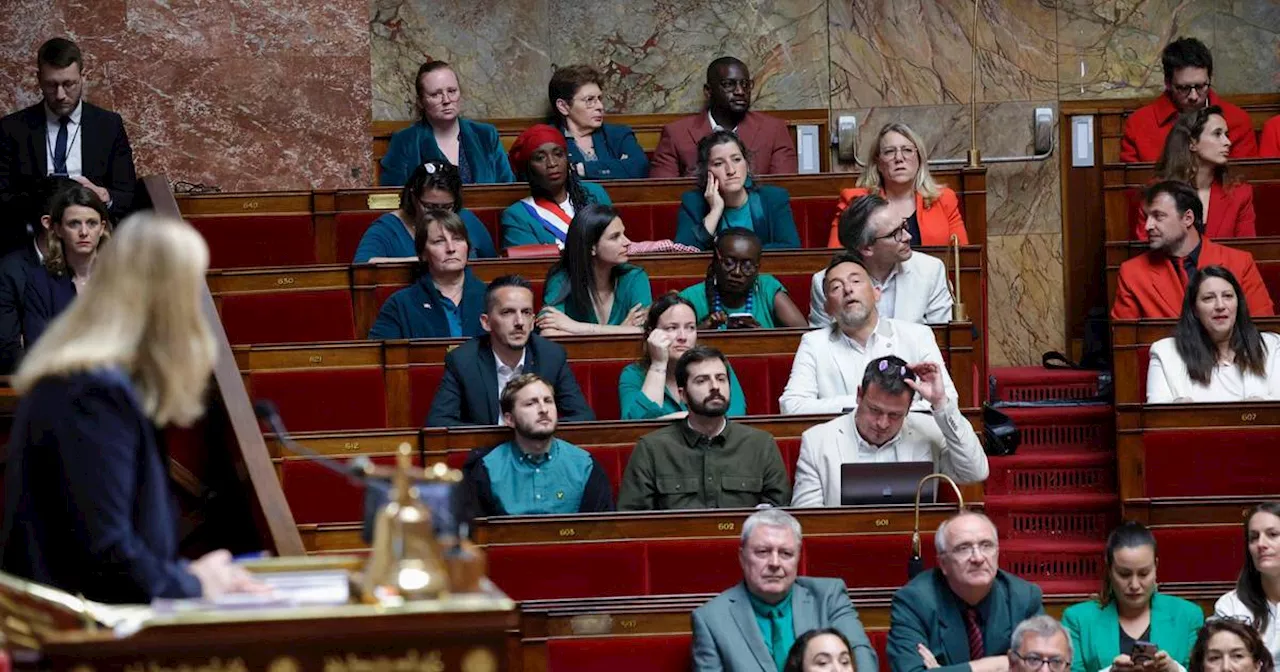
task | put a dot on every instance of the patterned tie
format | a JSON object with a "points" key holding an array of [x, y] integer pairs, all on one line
{"points": [[60, 147], [976, 648]]}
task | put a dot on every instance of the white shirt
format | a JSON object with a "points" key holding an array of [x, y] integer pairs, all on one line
{"points": [[945, 438], [1167, 377], [505, 374], [74, 142], [1230, 606], [717, 127], [828, 366]]}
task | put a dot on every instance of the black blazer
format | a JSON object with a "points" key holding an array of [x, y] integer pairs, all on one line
{"points": [[105, 155], [44, 298], [468, 393], [15, 268], [87, 501]]}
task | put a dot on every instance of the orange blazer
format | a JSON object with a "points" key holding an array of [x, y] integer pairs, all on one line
{"points": [[1230, 213], [1150, 287], [937, 223]]}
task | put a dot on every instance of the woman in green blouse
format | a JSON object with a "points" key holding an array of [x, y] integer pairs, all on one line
{"points": [[736, 295], [593, 289], [647, 389]]}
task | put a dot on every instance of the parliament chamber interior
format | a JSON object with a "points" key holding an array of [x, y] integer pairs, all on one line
{"points": [[615, 590]]}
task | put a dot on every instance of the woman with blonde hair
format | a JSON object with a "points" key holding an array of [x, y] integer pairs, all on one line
{"points": [[897, 169], [87, 502]]}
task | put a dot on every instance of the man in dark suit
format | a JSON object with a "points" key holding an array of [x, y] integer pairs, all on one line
{"points": [[960, 616], [61, 136], [728, 91], [476, 371]]}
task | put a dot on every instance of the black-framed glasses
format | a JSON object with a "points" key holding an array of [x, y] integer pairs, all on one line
{"points": [[1035, 661], [731, 85], [901, 233], [1187, 89], [747, 266]]}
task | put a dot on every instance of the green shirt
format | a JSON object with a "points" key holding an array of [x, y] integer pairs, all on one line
{"points": [[779, 642], [763, 291], [739, 216], [636, 406], [678, 468], [630, 288]]}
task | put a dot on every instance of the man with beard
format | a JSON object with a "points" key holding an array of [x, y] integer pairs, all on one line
{"points": [[534, 473], [913, 287], [728, 92], [883, 429], [477, 371], [829, 364], [1152, 286], [704, 461], [960, 616], [61, 138]]}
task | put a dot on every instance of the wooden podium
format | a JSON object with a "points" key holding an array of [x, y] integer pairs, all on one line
{"points": [[51, 630]]}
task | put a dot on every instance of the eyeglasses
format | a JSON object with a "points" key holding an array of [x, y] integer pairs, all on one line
{"points": [[907, 152], [731, 85], [441, 95], [1035, 661], [964, 551], [1186, 89], [747, 266], [430, 205], [590, 101], [902, 233]]}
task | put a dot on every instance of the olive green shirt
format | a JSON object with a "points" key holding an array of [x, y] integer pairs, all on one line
{"points": [[678, 468]]}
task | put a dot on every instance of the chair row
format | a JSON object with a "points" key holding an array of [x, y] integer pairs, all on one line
{"points": [[375, 384], [324, 227], [1122, 189]]}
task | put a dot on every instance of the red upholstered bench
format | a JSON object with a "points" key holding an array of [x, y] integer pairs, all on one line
{"points": [[864, 561], [1177, 464], [813, 219], [241, 241], [1266, 205], [317, 495], [690, 566], [555, 571], [349, 228], [1270, 272], [1194, 554], [325, 399], [599, 383], [649, 221], [310, 315], [621, 653]]}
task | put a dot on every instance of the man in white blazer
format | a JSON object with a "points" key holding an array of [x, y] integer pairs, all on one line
{"points": [[829, 364], [752, 626], [913, 287], [883, 429]]}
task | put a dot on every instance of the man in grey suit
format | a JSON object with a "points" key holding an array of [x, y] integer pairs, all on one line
{"points": [[751, 626]]}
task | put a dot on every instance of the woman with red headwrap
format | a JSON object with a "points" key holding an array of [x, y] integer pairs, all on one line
{"points": [[541, 155]]}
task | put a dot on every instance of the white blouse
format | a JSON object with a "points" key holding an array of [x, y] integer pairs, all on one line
{"points": [[1167, 377], [1230, 606]]}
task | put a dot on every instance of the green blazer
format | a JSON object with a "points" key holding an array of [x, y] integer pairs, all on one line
{"points": [[1095, 631], [925, 610]]}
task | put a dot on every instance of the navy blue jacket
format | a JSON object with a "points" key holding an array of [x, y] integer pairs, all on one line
{"points": [[468, 393], [622, 158], [43, 299], [87, 502], [15, 267], [415, 312]]}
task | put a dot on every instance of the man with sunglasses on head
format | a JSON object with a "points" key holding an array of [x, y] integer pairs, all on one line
{"points": [[1188, 75], [728, 92], [913, 287], [883, 429], [960, 616]]}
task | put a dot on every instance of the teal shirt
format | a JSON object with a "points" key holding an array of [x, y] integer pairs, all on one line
{"points": [[782, 613], [519, 227], [635, 406], [554, 485], [631, 287], [763, 292], [1095, 630], [739, 216]]}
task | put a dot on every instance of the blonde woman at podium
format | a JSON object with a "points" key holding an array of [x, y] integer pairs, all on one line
{"points": [[87, 502]]}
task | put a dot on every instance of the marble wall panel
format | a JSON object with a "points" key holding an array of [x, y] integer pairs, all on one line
{"points": [[244, 95], [499, 49], [1246, 50], [655, 52], [918, 52], [1025, 312]]}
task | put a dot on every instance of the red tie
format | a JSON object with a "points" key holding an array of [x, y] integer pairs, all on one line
{"points": [[976, 649]]}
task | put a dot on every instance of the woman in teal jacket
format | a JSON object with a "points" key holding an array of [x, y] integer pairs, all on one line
{"points": [[1107, 632], [594, 289], [647, 389], [555, 193], [726, 197], [480, 158], [597, 151]]}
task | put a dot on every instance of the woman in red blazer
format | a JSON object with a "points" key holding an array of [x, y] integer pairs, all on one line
{"points": [[1196, 153], [898, 170]]}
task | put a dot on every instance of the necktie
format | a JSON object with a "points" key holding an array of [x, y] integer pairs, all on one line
{"points": [[976, 648], [60, 147], [777, 639]]}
